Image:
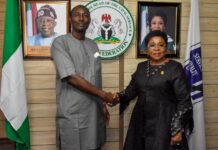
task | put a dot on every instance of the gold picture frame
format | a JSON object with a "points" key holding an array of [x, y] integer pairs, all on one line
{"points": [[38, 34]]}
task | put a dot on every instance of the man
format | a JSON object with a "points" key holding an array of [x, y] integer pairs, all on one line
{"points": [[45, 22], [80, 118]]}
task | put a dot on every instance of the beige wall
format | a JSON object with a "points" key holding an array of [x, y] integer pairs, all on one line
{"points": [[40, 80]]}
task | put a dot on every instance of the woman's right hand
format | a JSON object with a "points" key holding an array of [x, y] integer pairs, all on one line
{"points": [[116, 100], [177, 139]]}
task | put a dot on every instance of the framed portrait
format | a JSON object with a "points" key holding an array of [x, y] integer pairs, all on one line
{"points": [[42, 22], [159, 16]]}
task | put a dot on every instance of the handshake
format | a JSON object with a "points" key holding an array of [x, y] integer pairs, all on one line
{"points": [[111, 99]]}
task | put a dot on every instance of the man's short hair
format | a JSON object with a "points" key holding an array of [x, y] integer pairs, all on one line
{"points": [[79, 6], [46, 10]]}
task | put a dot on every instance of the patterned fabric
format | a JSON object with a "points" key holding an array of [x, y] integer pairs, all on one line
{"points": [[46, 10], [177, 124]]}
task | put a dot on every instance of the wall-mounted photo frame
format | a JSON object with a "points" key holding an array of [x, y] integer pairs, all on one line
{"points": [[159, 16], [42, 22]]}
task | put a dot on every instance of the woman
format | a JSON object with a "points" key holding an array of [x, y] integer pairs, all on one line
{"points": [[162, 116], [158, 21]]}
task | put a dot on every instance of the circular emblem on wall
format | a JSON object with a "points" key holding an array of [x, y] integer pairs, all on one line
{"points": [[111, 27]]}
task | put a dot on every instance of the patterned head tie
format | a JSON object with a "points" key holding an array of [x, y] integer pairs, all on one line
{"points": [[46, 10]]}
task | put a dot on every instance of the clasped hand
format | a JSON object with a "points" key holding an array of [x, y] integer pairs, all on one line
{"points": [[111, 99]]}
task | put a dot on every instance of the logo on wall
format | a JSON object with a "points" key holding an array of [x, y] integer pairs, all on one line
{"points": [[112, 27]]}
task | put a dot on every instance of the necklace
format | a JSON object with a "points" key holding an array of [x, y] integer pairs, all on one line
{"points": [[153, 70]]}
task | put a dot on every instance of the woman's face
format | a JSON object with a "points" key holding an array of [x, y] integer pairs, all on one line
{"points": [[156, 48], [157, 23]]}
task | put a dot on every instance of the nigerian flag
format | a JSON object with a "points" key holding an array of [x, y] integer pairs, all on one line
{"points": [[29, 26], [13, 95], [144, 23]]}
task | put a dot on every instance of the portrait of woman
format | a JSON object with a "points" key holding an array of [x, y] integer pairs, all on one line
{"points": [[159, 16], [158, 21], [162, 116]]}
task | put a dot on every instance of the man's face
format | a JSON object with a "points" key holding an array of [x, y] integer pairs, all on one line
{"points": [[80, 19], [46, 26], [157, 23]]}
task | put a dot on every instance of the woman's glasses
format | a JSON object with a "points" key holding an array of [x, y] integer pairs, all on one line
{"points": [[156, 46]]}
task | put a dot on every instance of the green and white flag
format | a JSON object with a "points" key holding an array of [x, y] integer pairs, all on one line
{"points": [[13, 101], [144, 23], [29, 19], [31, 11]]}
